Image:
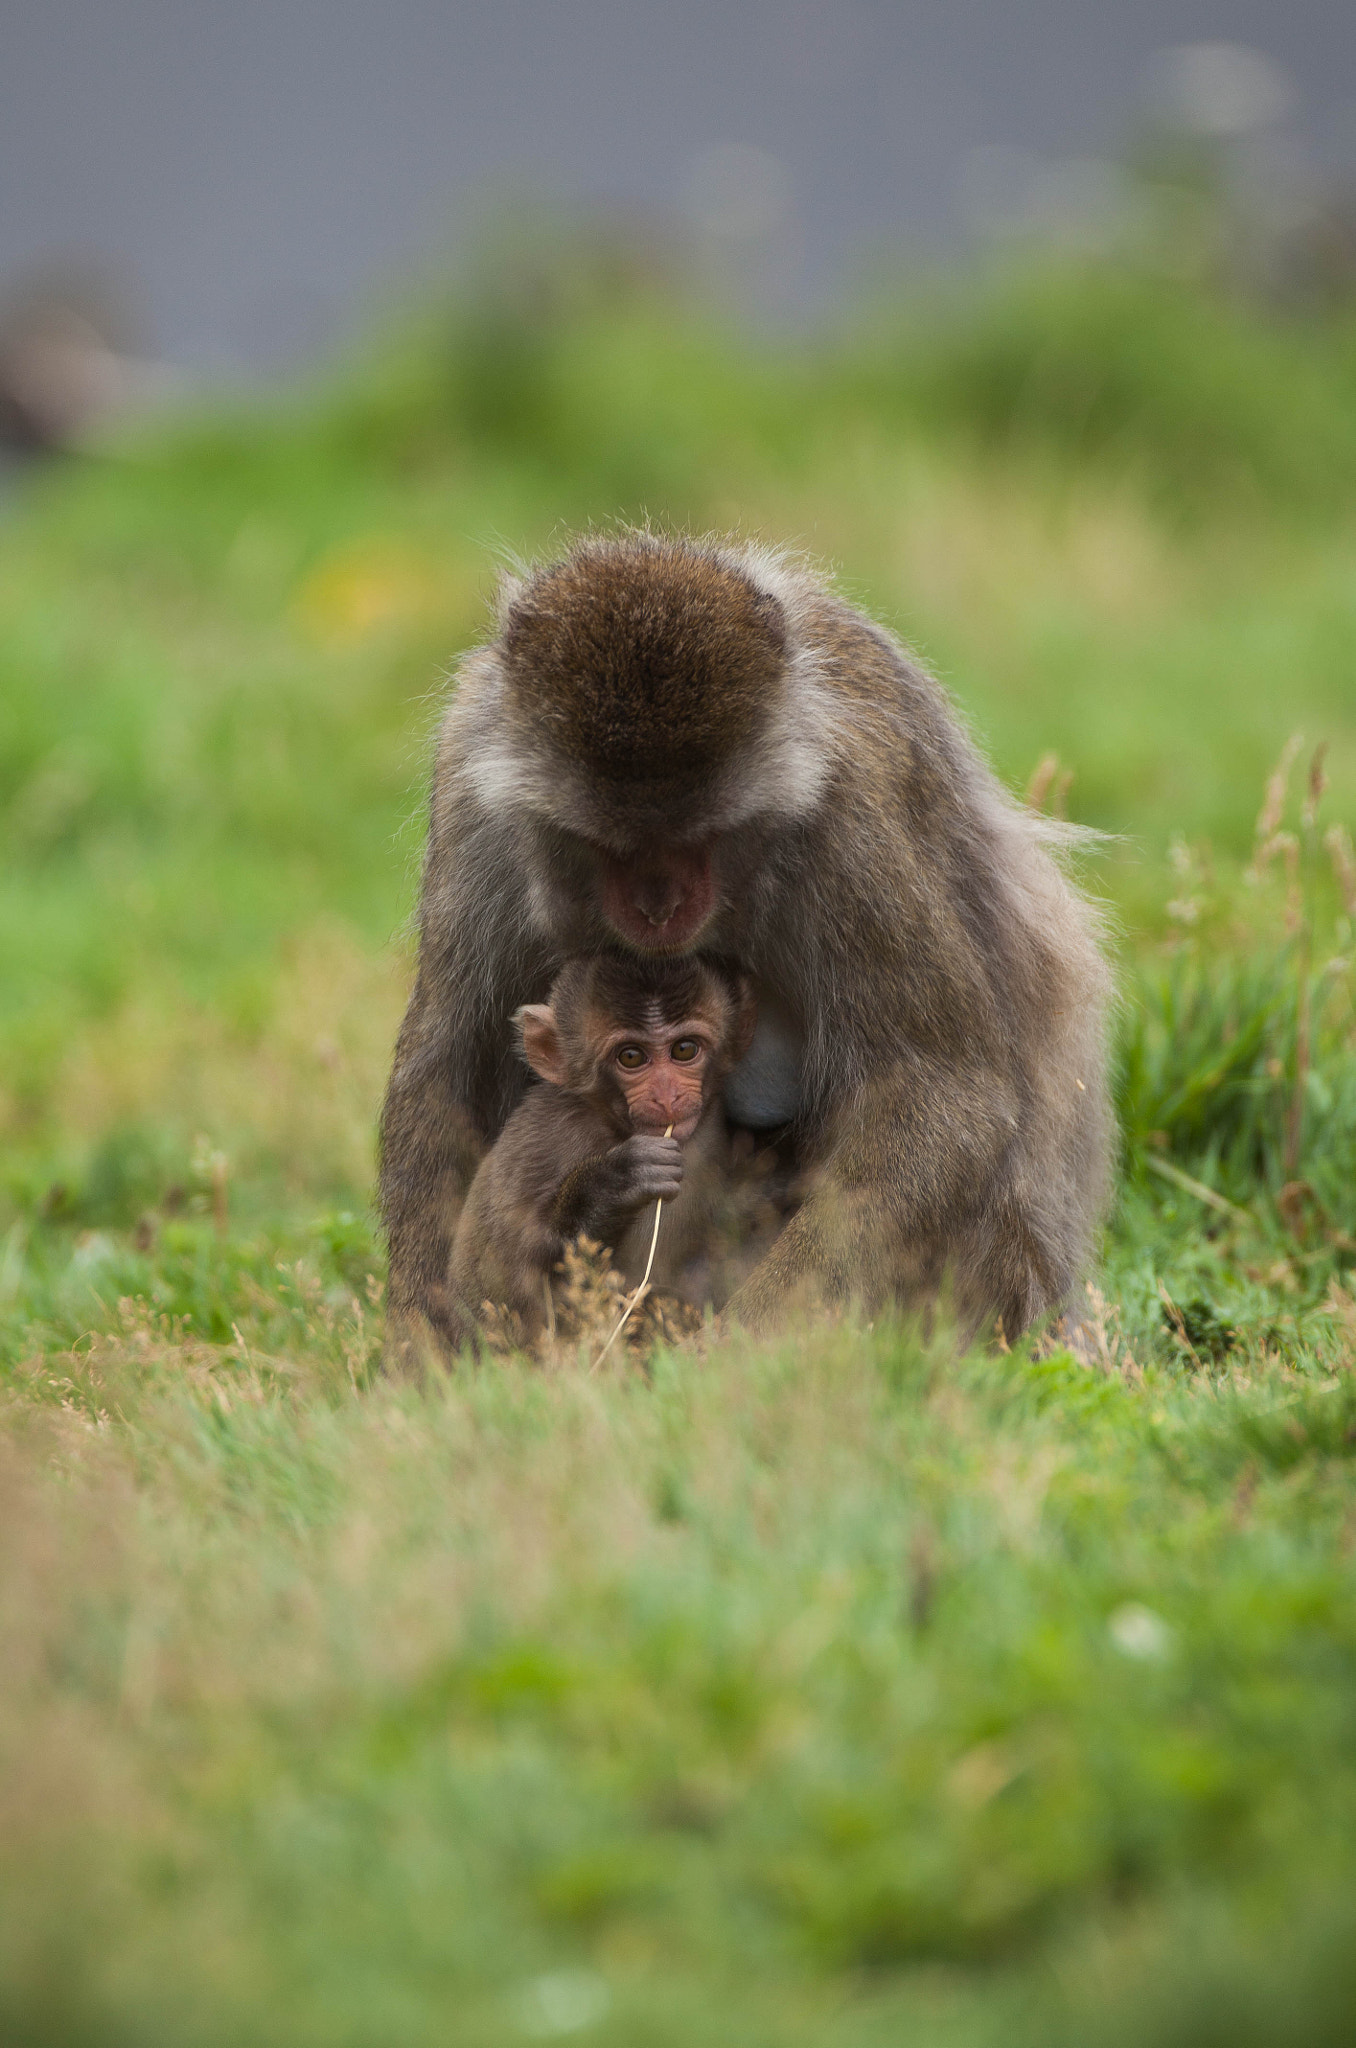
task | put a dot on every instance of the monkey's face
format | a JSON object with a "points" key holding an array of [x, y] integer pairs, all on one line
{"points": [[659, 900], [647, 1046], [662, 1076], [645, 712]]}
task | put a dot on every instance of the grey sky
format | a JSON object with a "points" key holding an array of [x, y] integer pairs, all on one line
{"points": [[262, 167]]}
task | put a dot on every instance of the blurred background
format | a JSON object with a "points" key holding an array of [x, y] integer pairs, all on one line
{"points": [[1037, 324], [250, 179]]}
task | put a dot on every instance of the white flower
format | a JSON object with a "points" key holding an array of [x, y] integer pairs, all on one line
{"points": [[1139, 1632], [563, 2002]]}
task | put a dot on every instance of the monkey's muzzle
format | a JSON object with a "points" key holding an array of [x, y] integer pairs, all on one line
{"points": [[660, 903]]}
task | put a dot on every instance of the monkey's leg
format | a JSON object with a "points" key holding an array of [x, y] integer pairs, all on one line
{"points": [[911, 1163]]}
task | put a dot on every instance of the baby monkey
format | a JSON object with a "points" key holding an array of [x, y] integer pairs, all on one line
{"points": [[628, 1051]]}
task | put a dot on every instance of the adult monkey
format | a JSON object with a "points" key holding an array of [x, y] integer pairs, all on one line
{"points": [[676, 744]]}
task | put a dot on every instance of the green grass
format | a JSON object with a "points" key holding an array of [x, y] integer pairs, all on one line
{"points": [[835, 1692]]}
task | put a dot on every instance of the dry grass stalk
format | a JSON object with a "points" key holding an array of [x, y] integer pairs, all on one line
{"points": [[1297, 851], [1191, 1186], [1294, 1123], [585, 1302], [1047, 782], [1186, 905], [1303, 928], [588, 1295], [1337, 841], [644, 1287], [500, 1330], [1104, 1338], [1278, 784], [1317, 783], [1340, 1305], [1178, 1326]]}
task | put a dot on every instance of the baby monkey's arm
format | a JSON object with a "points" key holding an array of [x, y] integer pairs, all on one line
{"points": [[599, 1196]]}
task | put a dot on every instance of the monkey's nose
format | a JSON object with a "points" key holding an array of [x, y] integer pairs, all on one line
{"points": [[657, 900]]}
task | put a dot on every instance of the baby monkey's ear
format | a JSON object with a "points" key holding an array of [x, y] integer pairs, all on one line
{"points": [[536, 1027], [745, 1020]]}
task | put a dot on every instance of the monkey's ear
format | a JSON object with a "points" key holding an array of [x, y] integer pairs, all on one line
{"points": [[745, 1020], [541, 1041]]}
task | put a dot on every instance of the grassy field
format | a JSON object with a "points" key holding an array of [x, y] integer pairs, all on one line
{"points": [[837, 1691]]}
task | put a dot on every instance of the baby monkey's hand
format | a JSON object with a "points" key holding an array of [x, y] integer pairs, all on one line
{"points": [[601, 1196], [645, 1170]]}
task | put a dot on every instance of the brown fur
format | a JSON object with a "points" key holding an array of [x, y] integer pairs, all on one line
{"points": [[657, 680], [562, 1160], [903, 921]]}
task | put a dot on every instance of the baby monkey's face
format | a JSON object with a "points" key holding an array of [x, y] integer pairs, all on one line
{"points": [[663, 1075], [647, 1046]]}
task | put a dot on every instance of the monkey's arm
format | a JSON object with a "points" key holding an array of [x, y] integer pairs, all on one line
{"points": [[454, 1078], [502, 1247], [430, 1149], [551, 1177], [906, 1160]]}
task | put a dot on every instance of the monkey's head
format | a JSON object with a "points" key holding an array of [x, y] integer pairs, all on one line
{"points": [[650, 706], [647, 1044]]}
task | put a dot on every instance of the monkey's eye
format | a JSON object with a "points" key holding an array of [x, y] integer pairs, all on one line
{"points": [[631, 1057], [685, 1049]]}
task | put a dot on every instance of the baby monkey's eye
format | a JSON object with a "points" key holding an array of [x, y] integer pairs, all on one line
{"points": [[631, 1057], [685, 1049]]}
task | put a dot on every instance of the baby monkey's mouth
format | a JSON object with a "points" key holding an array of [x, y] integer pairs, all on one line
{"points": [[682, 1128]]}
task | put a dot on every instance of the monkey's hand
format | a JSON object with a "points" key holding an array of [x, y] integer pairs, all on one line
{"points": [[601, 1196]]}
